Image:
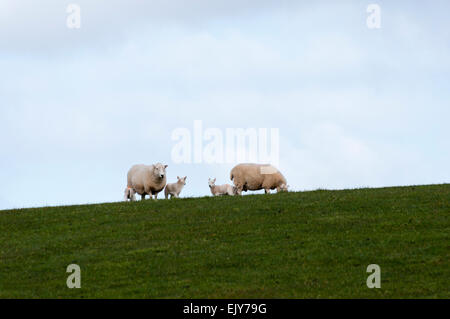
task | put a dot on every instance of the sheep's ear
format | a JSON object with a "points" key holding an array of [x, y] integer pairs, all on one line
{"points": [[178, 177], [185, 177], [165, 166], [214, 179]]}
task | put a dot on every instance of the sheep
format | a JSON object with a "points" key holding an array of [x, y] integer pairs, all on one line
{"points": [[130, 194], [257, 176], [225, 189], [174, 189], [147, 179]]}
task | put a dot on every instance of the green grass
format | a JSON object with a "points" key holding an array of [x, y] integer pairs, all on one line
{"points": [[291, 245]]}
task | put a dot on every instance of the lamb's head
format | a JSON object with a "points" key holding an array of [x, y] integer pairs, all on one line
{"points": [[211, 182], [283, 188], [182, 180], [159, 170]]}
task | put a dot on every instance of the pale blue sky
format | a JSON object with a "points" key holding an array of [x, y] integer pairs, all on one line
{"points": [[355, 107]]}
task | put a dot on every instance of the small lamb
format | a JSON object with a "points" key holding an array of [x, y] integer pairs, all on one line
{"points": [[225, 189], [174, 189], [129, 194]]}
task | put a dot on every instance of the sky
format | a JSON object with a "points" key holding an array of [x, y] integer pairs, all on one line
{"points": [[355, 106]]}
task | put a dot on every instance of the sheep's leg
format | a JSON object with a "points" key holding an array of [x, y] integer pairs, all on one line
{"points": [[143, 197], [267, 191]]}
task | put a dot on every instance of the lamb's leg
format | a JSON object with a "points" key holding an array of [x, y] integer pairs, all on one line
{"points": [[143, 197], [239, 186]]}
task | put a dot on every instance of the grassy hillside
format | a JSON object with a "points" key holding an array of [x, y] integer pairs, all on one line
{"points": [[291, 245]]}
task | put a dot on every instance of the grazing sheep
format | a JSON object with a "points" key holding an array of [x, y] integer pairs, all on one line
{"points": [[130, 194], [174, 189], [225, 189], [147, 179], [257, 176]]}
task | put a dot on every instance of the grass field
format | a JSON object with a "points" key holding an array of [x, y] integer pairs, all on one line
{"points": [[291, 245]]}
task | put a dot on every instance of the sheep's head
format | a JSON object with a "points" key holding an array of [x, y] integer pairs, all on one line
{"points": [[182, 180], [283, 188], [211, 182], [159, 170]]}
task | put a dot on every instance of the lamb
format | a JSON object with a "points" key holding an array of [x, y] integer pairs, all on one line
{"points": [[225, 189], [147, 179], [130, 194], [257, 176], [174, 189]]}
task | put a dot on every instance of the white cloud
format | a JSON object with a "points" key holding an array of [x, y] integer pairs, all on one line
{"points": [[355, 107], [27, 25], [327, 157]]}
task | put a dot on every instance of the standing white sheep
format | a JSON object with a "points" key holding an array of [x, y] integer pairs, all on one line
{"points": [[174, 189], [225, 189], [257, 176], [129, 194], [147, 179]]}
